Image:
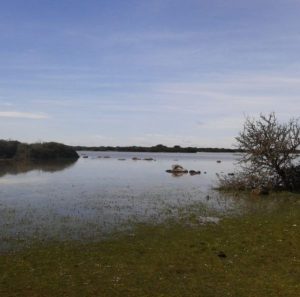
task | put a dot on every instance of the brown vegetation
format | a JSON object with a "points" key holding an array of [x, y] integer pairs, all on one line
{"points": [[270, 153]]}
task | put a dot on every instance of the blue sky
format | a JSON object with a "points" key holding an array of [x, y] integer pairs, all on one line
{"points": [[145, 72]]}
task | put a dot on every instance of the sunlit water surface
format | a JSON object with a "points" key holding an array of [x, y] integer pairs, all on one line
{"points": [[96, 195]]}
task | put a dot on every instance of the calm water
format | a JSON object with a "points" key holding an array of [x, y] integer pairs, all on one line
{"points": [[95, 195]]}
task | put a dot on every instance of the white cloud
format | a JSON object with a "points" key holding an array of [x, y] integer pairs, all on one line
{"points": [[23, 115], [235, 96], [5, 103]]}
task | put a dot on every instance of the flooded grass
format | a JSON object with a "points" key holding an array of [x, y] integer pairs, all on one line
{"points": [[254, 253], [93, 197], [110, 228], [89, 221]]}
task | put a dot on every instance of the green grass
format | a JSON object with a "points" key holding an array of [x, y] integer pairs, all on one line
{"points": [[171, 259]]}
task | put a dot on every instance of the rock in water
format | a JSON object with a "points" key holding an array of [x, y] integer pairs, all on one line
{"points": [[193, 172]]}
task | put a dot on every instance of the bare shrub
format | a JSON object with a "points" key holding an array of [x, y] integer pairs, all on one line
{"points": [[269, 152]]}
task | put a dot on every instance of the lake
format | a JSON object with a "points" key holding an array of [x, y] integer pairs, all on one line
{"points": [[96, 195]]}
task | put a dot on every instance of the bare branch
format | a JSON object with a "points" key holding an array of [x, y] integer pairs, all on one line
{"points": [[270, 148]]}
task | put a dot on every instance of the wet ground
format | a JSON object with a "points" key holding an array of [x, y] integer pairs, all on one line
{"points": [[104, 192]]}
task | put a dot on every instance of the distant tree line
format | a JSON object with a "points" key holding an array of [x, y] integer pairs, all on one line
{"points": [[155, 149]]}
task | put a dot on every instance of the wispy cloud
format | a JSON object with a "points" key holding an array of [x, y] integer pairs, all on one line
{"points": [[147, 72], [5, 103], [247, 93], [23, 115]]}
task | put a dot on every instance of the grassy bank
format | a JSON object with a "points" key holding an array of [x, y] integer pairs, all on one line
{"points": [[252, 255]]}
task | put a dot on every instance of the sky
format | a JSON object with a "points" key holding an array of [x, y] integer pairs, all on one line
{"points": [[140, 72]]}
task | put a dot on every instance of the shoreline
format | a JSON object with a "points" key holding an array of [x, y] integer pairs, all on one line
{"points": [[254, 254]]}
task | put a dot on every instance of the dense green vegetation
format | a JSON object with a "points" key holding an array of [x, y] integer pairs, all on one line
{"points": [[8, 149], [154, 149], [254, 255], [14, 150]]}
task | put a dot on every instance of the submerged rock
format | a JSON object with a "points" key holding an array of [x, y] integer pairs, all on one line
{"points": [[148, 159], [177, 170], [135, 159], [177, 174], [193, 172]]}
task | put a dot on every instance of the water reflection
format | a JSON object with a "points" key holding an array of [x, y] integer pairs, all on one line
{"points": [[91, 197], [178, 174], [14, 168]]}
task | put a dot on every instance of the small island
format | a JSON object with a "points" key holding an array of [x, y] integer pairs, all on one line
{"points": [[46, 151]]}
